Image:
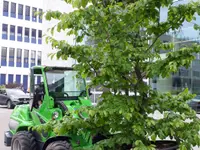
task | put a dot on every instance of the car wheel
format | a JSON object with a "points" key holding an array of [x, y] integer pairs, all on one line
{"points": [[59, 145], [23, 140], [9, 104]]}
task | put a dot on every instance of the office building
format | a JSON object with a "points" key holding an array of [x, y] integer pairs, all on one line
{"points": [[20, 40], [185, 77], [21, 43]]}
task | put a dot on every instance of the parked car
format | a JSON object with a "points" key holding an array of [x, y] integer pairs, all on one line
{"points": [[12, 97], [195, 104]]}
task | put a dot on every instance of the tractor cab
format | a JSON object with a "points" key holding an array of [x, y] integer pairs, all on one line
{"points": [[60, 90], [60, 87]]}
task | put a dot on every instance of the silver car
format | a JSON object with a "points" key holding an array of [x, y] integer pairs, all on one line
{"points": [[12, 97]]}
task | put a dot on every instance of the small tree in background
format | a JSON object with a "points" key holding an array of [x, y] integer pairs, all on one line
{"points": [[14, 85], [127, 50], [2, 87]]}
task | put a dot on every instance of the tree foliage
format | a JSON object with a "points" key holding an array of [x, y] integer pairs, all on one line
{"points": [[14, 85], [126, 50]]}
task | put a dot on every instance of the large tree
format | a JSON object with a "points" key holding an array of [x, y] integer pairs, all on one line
{"points": [[126, 49]]}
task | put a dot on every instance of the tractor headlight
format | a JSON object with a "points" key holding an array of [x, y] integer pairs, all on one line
{"points": [[55, 115]]}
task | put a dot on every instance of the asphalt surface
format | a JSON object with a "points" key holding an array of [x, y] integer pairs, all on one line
{"points": [[4, 119]]}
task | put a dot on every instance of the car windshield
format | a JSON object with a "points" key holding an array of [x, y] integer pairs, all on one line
{"points": [[64, 83], [16, 92]]}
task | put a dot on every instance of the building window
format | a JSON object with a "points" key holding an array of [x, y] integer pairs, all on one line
{"points": [[4, 56], [12, 32], [25, 83], [18, 79], [11, 57], [3, 79], [5, 31], [39, 36], [40, 15], [10, 78], [33, 36], [5, 8], [13, 10], [33, 55], [26, 36], [34, 17], [39, 58], [27, 14], [20, 11], [26, 58], [19, 34], [19, 57]]}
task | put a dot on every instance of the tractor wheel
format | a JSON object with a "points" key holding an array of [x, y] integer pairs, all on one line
{"points": [[9, 104], [59, 145], [23, 140]]}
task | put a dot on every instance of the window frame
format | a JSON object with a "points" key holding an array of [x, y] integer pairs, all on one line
{"points": [[11, 57], [4, 57], [33, 56], [39, 58], [20, 13], [27, 37], [3, 76], [40, 15], [19, 57], [39, 36], [19, 35], [27, 12], [5, 8], [13, 9], [5, 32], [34, 17], [33, 38], [26, 58], [12, 33]]}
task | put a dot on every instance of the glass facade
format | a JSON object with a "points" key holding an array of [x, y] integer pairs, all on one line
{"points": [[184, 78]]}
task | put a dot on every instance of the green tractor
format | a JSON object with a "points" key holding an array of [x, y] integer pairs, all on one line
{"points": [[60, 91]]}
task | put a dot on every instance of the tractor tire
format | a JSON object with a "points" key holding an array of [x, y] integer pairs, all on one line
{"points": [[59, 145], [23, 140], [9, 104]]}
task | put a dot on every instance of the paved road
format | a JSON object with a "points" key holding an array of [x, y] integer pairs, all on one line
{"points": [[4, 119]]}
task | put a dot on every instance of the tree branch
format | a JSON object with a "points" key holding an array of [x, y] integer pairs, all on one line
{"points": [[157, 38]]}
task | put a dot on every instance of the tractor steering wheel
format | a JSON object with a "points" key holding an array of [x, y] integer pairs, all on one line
{"points": [[65, 93]]}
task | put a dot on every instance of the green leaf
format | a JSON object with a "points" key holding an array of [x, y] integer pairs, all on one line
{"points": [[153, 137], [84, 3], [183, 147]]}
